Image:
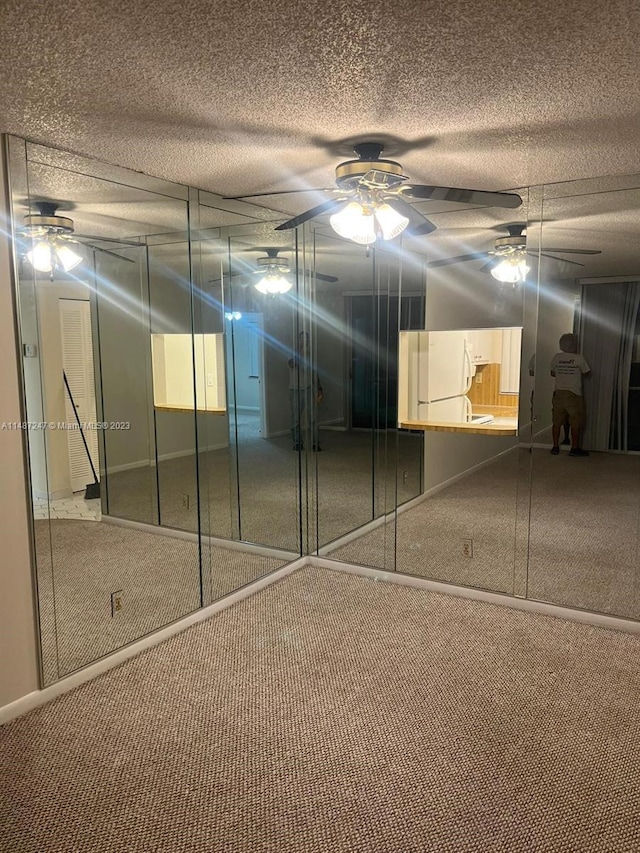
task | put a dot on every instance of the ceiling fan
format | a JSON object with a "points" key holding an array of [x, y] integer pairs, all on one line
{"points": [[273, 270], [507, 260], [372, 195], [52, 242]]}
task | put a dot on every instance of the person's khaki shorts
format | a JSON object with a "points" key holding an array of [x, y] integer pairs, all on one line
{"points": [[567, 404]]}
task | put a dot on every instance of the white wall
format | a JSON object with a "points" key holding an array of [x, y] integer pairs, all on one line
{"points": [[125, 352], [18, 655]]}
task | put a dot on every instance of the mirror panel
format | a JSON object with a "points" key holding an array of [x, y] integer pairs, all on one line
{"points": [[141, 542], [583, 538]]}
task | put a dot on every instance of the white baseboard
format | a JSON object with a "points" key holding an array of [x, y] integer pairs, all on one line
{"points": [[41, 697], [70, 682], [598, 620], [191, 536], [466, 473], [407, 505], [336, 424], [277, 433], [164, 457], [58, 495]]}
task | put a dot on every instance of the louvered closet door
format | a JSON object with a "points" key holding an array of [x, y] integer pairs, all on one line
{"points": [[77, 359]]}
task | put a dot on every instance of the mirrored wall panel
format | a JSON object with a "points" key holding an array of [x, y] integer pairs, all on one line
{"points": [[456, 367], [585, 472], [127, 370]]}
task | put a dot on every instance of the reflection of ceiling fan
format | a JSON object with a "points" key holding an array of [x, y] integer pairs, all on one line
{"points": [[52, 244], [507, 260], [273, 270], [372, 199]]}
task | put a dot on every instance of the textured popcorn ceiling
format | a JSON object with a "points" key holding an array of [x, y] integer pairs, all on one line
{"points": [[241, 97]]}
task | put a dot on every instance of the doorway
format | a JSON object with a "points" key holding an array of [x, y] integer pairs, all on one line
{"points": [[374, 324]]}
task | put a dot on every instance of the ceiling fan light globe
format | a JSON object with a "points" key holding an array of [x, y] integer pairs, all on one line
{"points": [[391, 222], [510, 271], [67, 258], [354, 223], [40, 256], [273, 285]]}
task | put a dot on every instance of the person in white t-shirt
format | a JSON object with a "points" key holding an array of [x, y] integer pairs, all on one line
{"points": [[568, 367]]}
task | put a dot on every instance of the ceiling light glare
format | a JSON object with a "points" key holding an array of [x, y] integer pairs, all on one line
{"points": [[356, 223], [390, 221], [41, 256], [273, 284], [50, 254], [512, 270], [233, 315]]}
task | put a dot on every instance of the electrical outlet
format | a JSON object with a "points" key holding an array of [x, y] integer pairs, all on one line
{"points": [[479, 378], [405, 477], [116, 602], [186, 501], [467, 547]]}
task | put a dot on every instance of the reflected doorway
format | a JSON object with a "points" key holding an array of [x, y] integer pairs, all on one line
{"points": [[374, 324], [245, 374]]}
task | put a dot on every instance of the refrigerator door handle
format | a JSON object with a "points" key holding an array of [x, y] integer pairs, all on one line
{"points": [[469, 377]]}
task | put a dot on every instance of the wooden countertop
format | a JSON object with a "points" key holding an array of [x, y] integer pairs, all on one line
{"points": [[185, 409], [501, 413]]}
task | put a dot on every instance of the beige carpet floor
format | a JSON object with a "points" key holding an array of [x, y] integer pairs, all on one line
{"points": [[334, 714], [555, 529], [254, 493], [159, 577]]}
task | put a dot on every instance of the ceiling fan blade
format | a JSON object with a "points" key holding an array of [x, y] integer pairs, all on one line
{"points": [[461, 196], [487, 267], [105, 240], [107, 252], [556, 258], [574, 251], [279, 192], [476, 256], [325, 207], [321, 277], [418, 223]]}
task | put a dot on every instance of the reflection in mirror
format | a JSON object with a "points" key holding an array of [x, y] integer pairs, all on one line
{"points": [[100, 585], [462, 528], [459, 380], [260, 329], [124, 364], [584, 508], [367, 466]]}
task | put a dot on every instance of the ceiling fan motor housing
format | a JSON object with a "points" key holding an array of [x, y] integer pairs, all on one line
{"points": [[47, 219], [510, 244], [272, 263], [351, 171]]}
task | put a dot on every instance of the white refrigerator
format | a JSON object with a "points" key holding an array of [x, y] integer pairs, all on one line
{"points": [[436, 372]]}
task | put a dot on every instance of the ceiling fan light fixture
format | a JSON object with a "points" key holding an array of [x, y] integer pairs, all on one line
{"points": [[512, 269], [40, 256], [67, 258], [48, 254], [391, 222], [355, 222], [273, 284]]}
